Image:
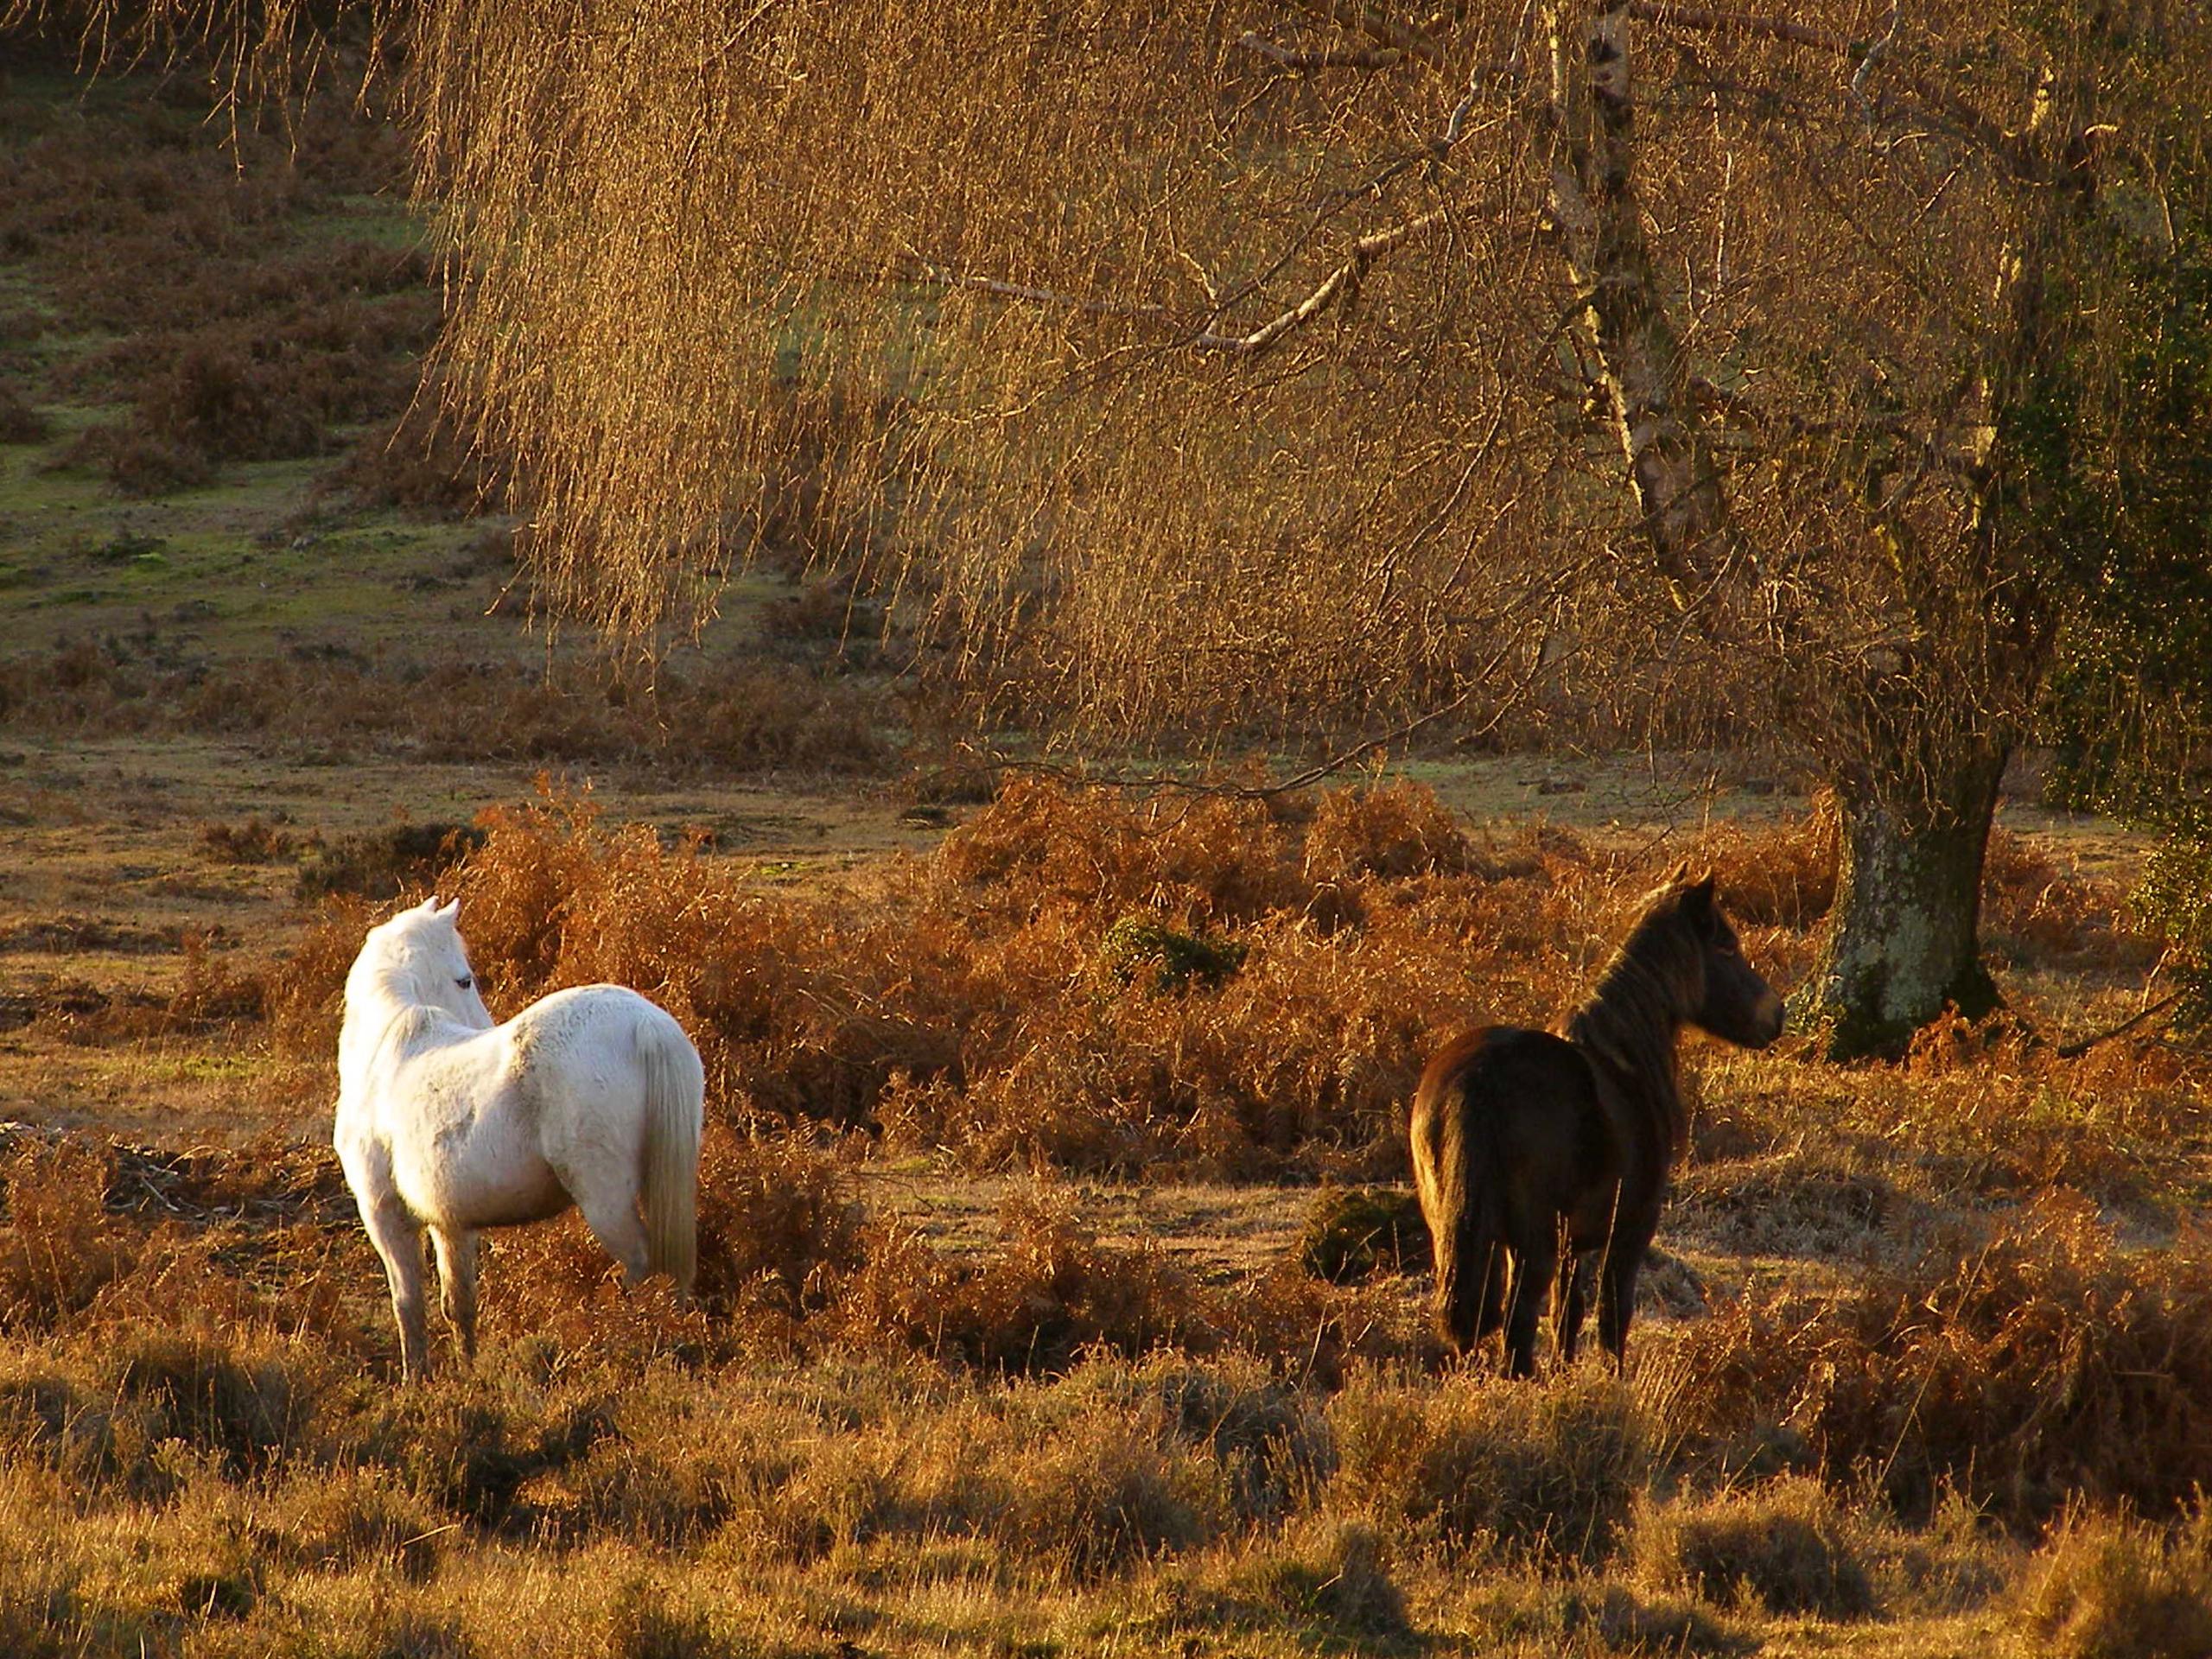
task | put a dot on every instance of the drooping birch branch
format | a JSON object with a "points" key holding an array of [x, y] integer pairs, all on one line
{"points": [[1927, 98], [1336, 288]]}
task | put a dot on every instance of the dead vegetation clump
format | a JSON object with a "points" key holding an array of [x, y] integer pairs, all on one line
{"points": [[2033, 911], [251, 842], [1776, 875], [1082, 983]]}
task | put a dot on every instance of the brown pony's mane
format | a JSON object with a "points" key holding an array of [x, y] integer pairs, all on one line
{"points": [[1632, 1019]]}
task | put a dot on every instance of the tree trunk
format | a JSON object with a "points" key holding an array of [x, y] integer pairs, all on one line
{"points": [[1591, 117], [1903, 937]]}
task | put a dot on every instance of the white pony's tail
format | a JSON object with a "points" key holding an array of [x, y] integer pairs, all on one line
{"points": [[675, 1104]]}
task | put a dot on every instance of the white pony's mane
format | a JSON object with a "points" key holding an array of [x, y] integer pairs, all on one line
{"points": [[395, 992], [391, 962]]}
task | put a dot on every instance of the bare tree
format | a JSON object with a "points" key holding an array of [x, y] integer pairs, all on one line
{"points": [[1178, 359]]}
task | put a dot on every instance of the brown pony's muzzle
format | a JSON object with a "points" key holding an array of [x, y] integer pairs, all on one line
{"points": [[1770, 1016]]}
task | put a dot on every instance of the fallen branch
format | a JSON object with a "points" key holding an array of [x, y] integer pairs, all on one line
{"points": [[2081, 1045]]}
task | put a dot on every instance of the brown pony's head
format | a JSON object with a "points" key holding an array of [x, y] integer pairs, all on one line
{"points": [[1737, 1004]]}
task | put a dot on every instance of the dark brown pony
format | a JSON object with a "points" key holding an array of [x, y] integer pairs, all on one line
{"points": [[1524, 1140]]}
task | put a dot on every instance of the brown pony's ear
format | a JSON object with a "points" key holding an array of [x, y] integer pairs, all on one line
{"points": [[1698, 897]]}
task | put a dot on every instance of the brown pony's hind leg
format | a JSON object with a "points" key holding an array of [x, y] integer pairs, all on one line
{"points": [[1490, 1304], [1572, 1304], [1617, 1297], [1535, 1263]]}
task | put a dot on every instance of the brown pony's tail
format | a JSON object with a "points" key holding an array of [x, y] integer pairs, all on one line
{"points": [[1457, 1179], [1469, 1279]]}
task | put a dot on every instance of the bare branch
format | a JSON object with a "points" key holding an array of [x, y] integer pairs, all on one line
{"points": [[1380, 57], [1517, 693], [1379, 27], [1709, 22], [1926, 98], [1336, 288], [1341, 285], [940, 277], [1875, 53]]}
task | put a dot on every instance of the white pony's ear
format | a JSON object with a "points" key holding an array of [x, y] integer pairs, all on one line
{"points": [[448, 911], [429, 905]]}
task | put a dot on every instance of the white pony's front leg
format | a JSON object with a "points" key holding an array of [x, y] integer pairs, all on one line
{"points": [[398, 1238], [456, 1248]]}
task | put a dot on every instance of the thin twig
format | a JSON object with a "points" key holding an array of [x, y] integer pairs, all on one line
{"points": [[1338, 286], [1313, 774]]}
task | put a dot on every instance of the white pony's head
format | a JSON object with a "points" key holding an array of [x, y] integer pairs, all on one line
{"points": [[416, 960]]}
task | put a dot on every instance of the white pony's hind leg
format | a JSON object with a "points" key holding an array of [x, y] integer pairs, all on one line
{"points": [[398, 1239], [456, 1248], [610, 1209]]}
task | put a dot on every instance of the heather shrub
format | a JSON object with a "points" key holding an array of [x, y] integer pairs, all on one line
{"points": [[20, 422], [1785, 1545], [1355, 1232], [251, 842], [384, 863]]}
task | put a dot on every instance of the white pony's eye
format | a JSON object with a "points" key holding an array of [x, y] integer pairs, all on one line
{"points": [[466, 981]]}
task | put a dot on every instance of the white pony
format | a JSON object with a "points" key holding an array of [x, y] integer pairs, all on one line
{"points": [[593, 1096]]}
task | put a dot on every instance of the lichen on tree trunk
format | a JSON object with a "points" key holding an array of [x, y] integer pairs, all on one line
{"points": [[1904, 937]]}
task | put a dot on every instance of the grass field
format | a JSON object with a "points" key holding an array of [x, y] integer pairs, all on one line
{"points": [[1036, 1315]]}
